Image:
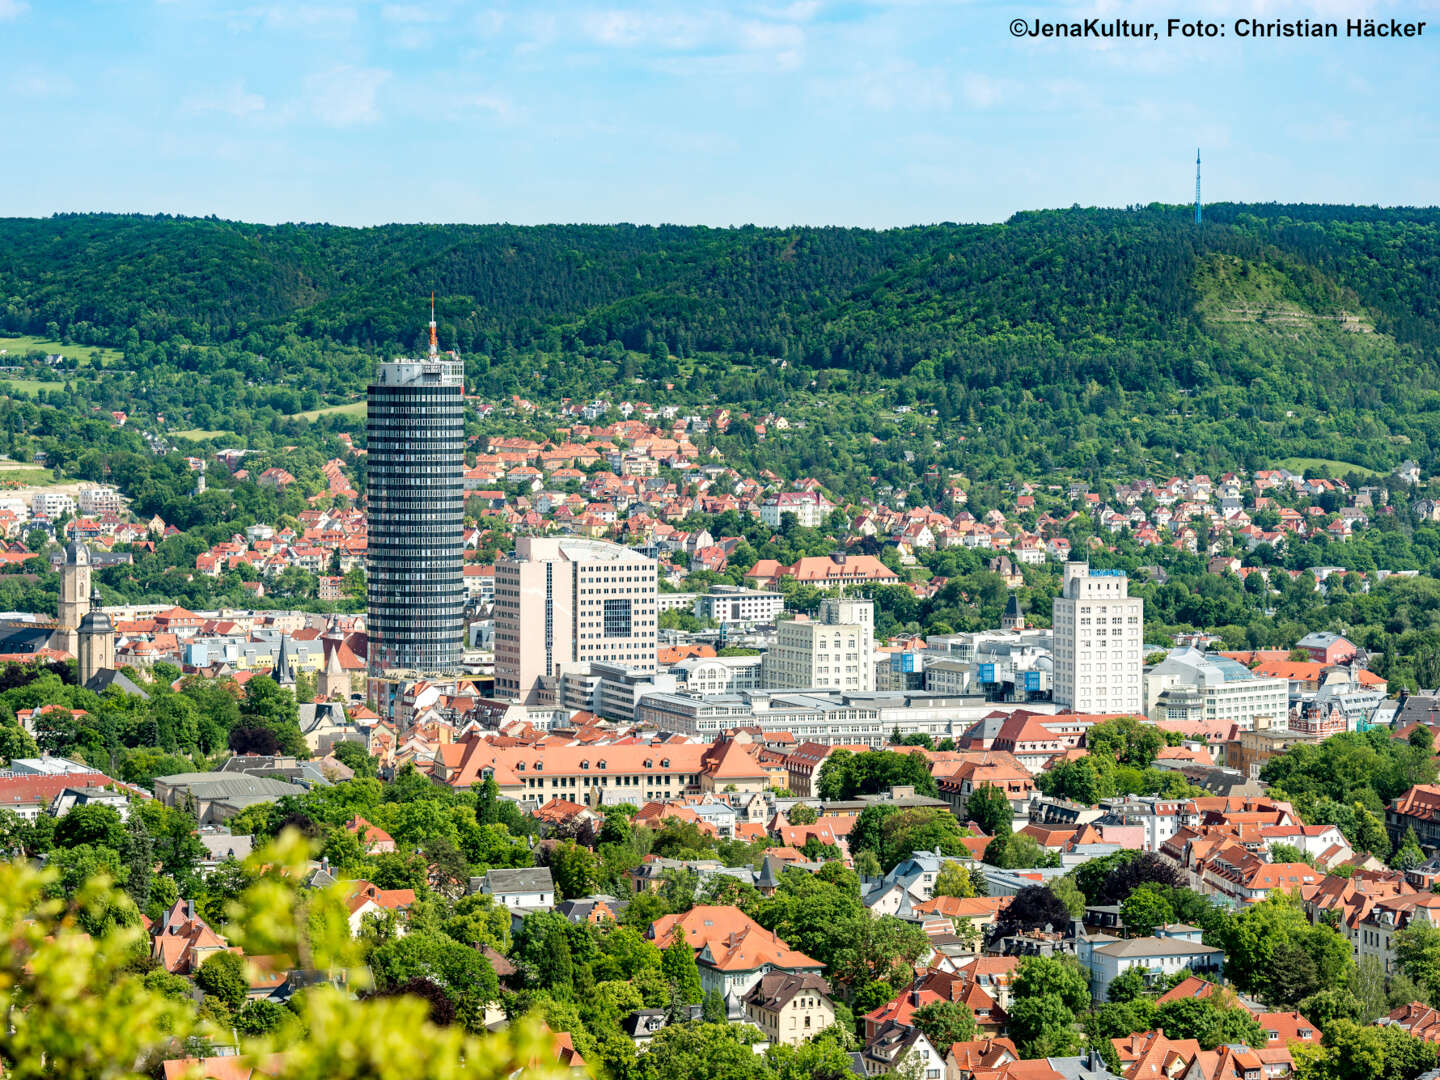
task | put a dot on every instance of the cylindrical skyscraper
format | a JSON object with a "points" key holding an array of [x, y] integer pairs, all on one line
{"points": [[415, 454]]}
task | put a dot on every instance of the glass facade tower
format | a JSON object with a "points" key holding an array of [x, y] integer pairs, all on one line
{"points": [[415, 443]]}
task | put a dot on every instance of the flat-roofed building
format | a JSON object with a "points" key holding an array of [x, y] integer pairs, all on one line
{"points": [[1229, 691], [565, 601], [1098, 630]]}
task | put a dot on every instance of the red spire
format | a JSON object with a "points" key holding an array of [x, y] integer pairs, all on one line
{"points": [[434, 345]]}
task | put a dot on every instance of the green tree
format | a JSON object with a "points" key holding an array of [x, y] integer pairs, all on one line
{"points": [[576, 870], [679, 967], [700, 1052], [1127, 986], [1417, 954], [989, 808], [222, 977], [802, 814], [1209, 1021], [954, 880], [945, 1023], [1049, 992], [1409, 854], [1145, 910]]}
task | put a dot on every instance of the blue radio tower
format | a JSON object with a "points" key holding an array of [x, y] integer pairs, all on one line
{"points": [[1197, 185]]}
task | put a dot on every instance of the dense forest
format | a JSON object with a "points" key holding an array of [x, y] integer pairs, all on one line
{"points": [[1095, 343]]}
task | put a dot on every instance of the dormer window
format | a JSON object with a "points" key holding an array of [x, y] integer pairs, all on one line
{"points": [[600, 764], [585, 764], [665, 763]]}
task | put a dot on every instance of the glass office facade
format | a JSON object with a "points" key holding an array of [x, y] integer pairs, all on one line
{"points": [[415, 442]]}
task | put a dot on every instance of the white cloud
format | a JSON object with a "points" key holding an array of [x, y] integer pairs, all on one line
{"points": [[898, 85], [39, 83], [316, 20], [345, 96], [652, 29], [981, 91], [234, 100], [800, 11], [502, 108], [408, 13], [13, 9]]}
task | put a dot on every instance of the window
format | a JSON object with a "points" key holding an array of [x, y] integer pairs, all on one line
{"points": [[617, 618]]}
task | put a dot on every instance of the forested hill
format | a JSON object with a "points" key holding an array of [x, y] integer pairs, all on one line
{"points": [[1087, 333], [799, 293]]}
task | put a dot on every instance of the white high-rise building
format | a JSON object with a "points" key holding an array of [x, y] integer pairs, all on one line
{"points": [[834, 651], [562, 601], [1099, 633]]}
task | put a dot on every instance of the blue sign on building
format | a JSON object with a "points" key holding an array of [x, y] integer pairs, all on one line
{"points": [[1032, 680], [987, 672]]}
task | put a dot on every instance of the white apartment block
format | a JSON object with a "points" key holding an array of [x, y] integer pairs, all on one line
{"points": [[732, 604], [1228, 690], [51, 504], [809, 507], [833, 651], [98, 500], [1098, 628], [562, 601], [706, 676]]}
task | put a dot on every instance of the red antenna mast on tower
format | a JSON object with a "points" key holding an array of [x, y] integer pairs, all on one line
{"points": [[434, 344]]}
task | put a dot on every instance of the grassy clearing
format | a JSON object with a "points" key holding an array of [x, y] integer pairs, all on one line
{"points": [[354, 408], [29, 387], [1311, 465], [203, 433], [18, 345], [26, 478]]}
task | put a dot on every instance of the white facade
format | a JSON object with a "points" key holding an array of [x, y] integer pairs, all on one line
{"points": [[809, 507], [729, 604], [835, 651], [567, 601], [51, 504], [1099, 630], [99, 500], [707, 676], [1229, 692], [1105, 960]]}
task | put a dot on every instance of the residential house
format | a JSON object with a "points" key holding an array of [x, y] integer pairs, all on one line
{"points": [[789, 1008]]}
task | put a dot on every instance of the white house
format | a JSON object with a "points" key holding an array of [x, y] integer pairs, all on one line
{"points": [[531, 887], [1105, 959]]}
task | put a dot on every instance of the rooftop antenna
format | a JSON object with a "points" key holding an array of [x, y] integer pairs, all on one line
{"points": [[434, 345], [1197, 185]]}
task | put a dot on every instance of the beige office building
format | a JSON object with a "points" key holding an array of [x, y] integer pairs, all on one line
{"points": [[1098, 628], [560, 600], [833, 651]]}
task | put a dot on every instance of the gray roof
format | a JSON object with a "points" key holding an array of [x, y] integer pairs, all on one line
{"points": [[775, 990], [219, 845], [525, 880], [1156, 947], [1088, 1066], [107, 677], [229, 785]]}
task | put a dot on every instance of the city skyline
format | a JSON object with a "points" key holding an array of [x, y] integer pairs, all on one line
{"points": [[809, 112]]}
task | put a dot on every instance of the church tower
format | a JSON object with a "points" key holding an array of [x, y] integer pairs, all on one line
{"points": [[284, 671], [74, 596], [1013, 619], [333, 682], [96, 645]]}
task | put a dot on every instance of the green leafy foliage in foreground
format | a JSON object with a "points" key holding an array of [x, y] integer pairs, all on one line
{"points": [[78, 1003]]}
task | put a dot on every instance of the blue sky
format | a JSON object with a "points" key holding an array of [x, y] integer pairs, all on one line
{"points": [[792, 111]]}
